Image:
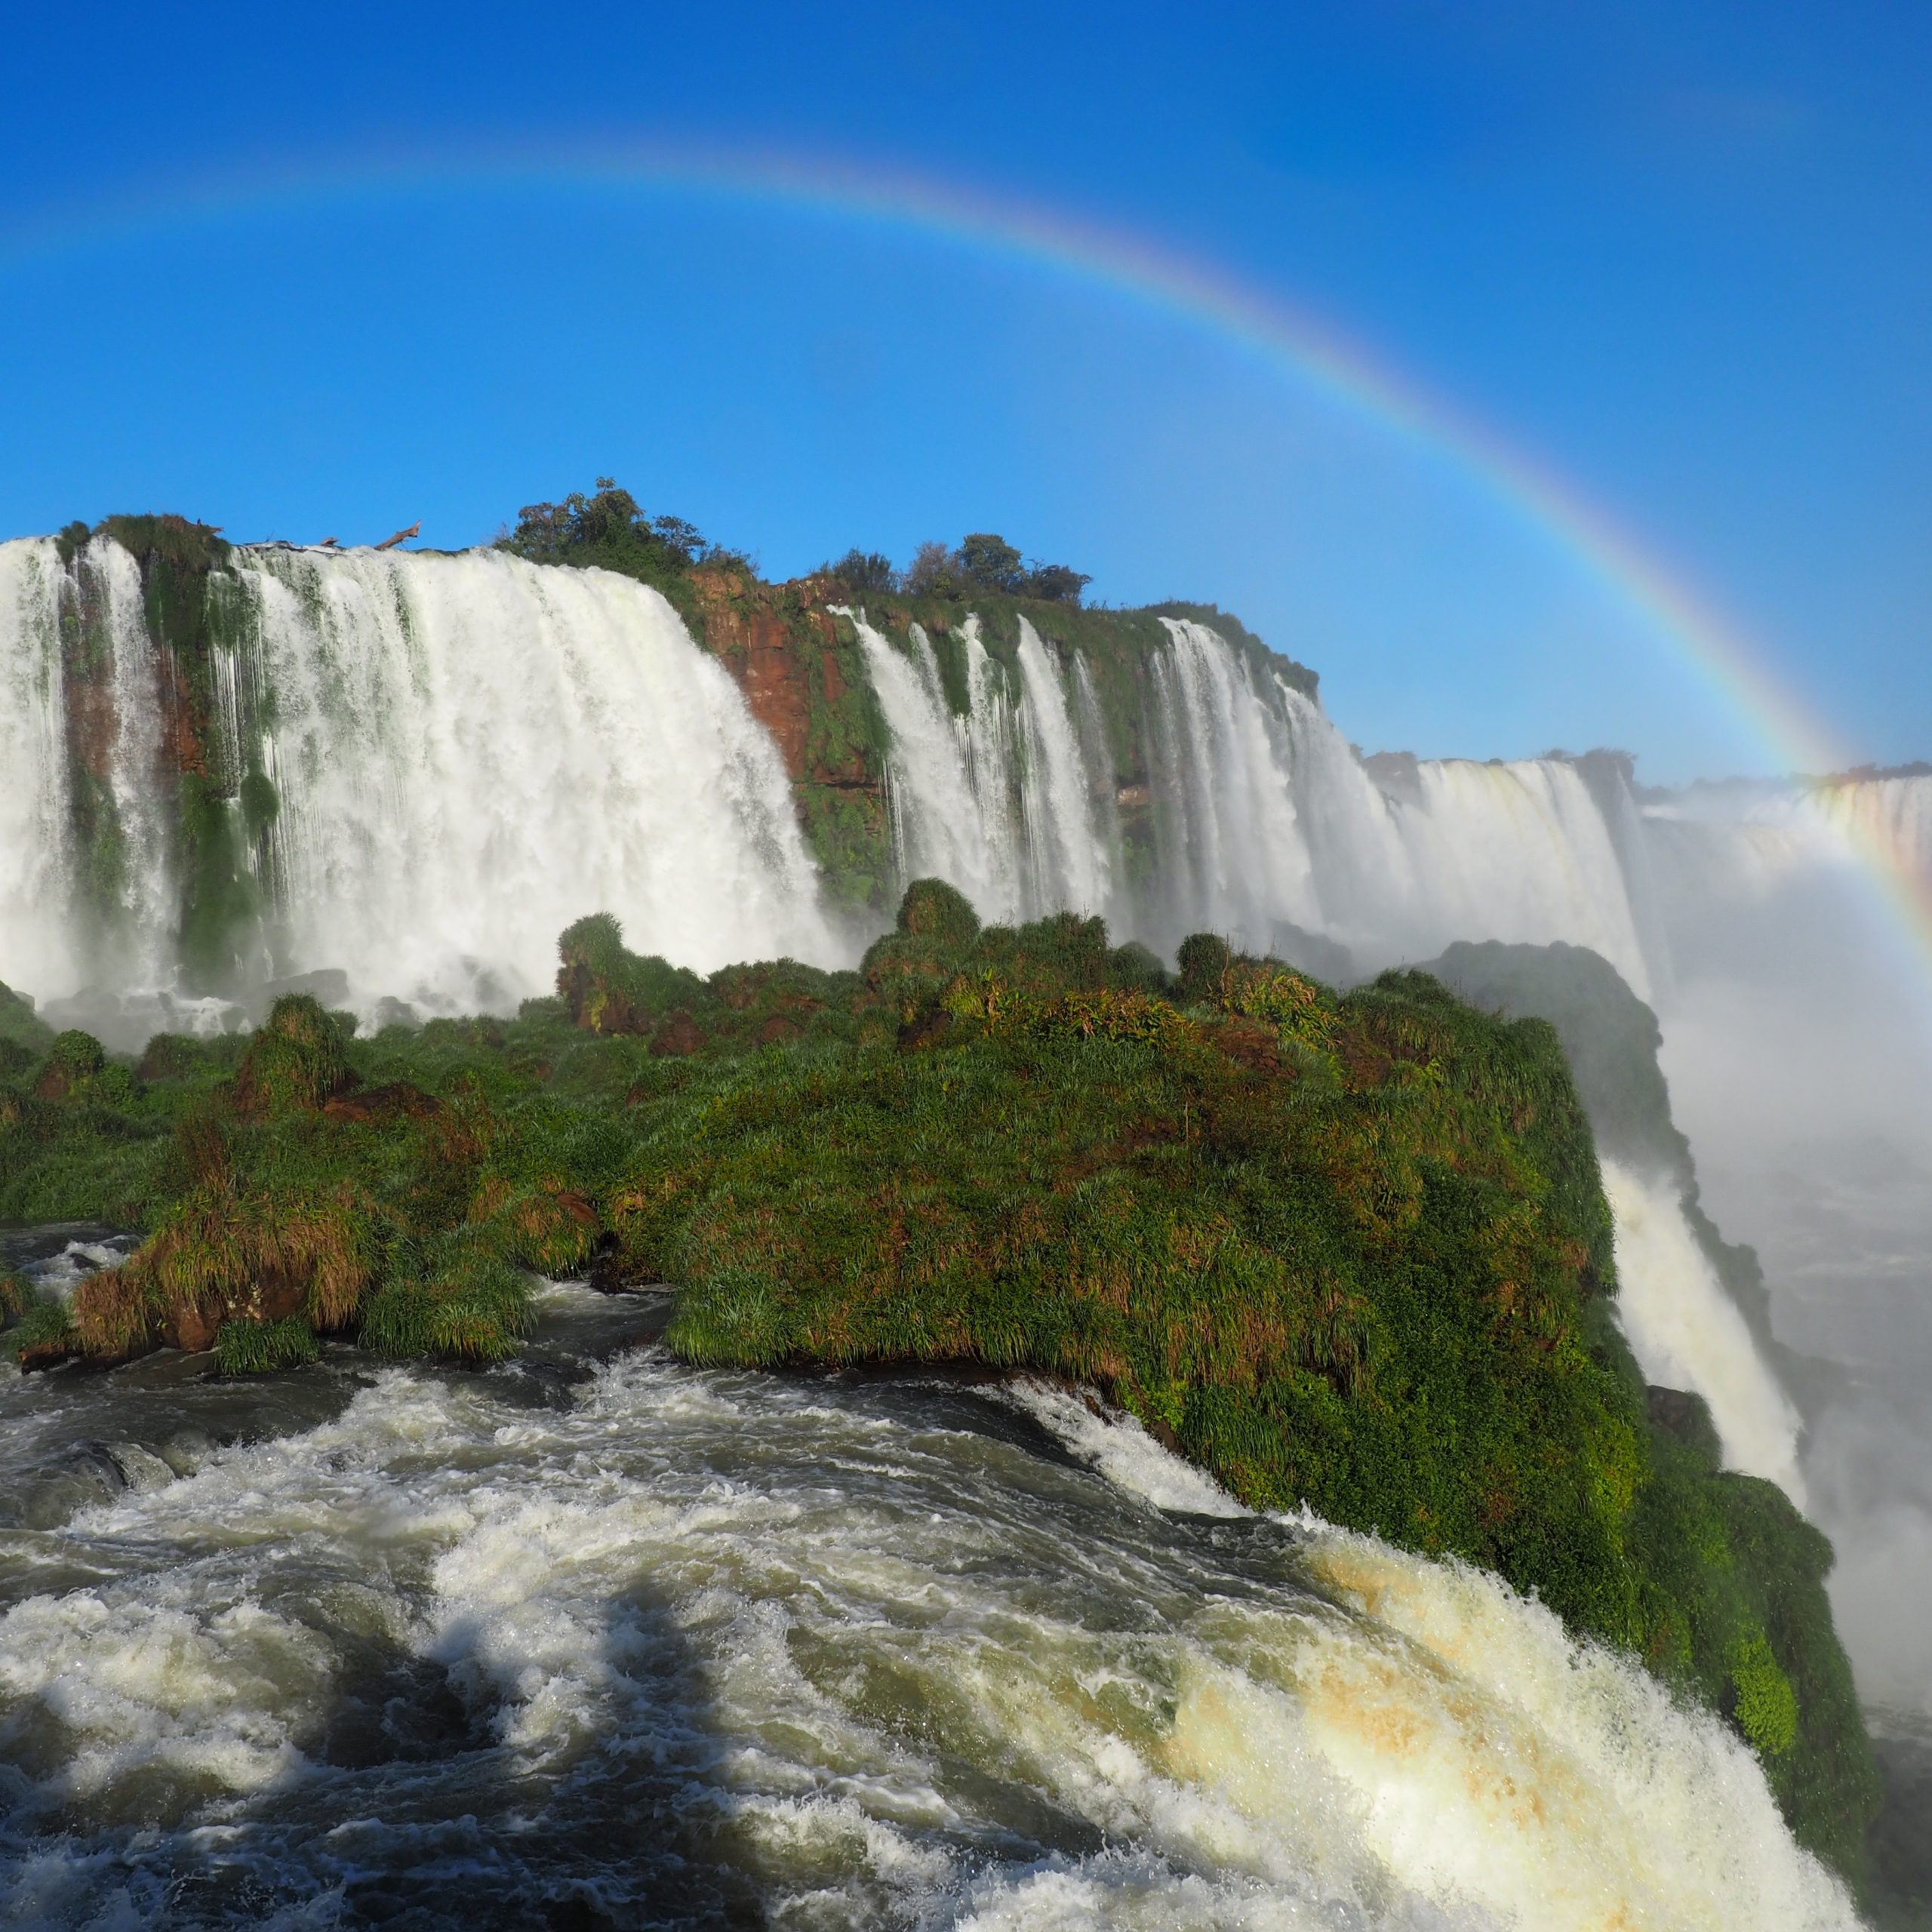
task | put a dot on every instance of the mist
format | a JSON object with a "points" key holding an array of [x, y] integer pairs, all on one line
{"points": [[1799, 1053]]}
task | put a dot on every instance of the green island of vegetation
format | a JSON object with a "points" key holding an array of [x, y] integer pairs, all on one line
{"points": [[1350, 1250]]}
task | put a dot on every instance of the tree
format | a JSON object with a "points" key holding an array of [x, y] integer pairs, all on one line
{"points": [[864, 570], [932, 572], [611, 531], [991, 562], [1056, 583]]}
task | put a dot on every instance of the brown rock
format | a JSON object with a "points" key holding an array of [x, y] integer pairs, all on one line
{"points": [[678, 1036], [394, 1102], [45, 1355], [1249, 1043]]}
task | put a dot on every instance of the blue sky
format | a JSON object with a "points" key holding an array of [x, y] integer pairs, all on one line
{"points": [[1681, 254]]}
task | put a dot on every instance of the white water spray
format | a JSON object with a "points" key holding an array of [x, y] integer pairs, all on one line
{"points": [[903, 1669]]}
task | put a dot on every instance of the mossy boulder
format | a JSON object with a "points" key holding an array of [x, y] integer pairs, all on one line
{"points": [[295, 1062]]}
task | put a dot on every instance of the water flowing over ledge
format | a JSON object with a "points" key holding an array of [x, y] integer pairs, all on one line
{"points": [[416, 769]]}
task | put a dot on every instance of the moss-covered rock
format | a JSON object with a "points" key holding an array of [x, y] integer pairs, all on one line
{"points": [[296, 1061]]}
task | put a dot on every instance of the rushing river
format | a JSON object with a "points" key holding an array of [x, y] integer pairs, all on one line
{"points": [[594, 1639]]}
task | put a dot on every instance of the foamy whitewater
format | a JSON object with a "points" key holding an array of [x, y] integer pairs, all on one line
{"points": [[627, 1643]]}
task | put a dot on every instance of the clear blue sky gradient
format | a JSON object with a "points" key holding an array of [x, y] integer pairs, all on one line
{"points": [[1683, 253]]}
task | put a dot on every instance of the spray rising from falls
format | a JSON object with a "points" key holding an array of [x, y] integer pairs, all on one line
{"points": [[710, 1648]]}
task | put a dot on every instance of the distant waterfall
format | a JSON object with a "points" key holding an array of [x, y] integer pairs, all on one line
{"points": [[1688, 1334], [1274, 821], [424, 766], [459, 756]]}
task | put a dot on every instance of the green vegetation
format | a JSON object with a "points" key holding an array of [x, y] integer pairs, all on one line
{"points": [[257, 1348], [24, 1036], [610, 531], [986, 562], [1347, 1250], [1613, 1042]]}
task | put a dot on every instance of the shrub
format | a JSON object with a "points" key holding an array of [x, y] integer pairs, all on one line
{"points": [[863, 571], [933, 909], [610, 531], [297, 1060], [257, 1348]]}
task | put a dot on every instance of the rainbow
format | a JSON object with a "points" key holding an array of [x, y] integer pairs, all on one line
{"points": [[1281, 337]]}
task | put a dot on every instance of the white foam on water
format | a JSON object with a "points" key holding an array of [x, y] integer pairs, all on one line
{"points": [[1118, 1446], [1688, 1334], [909, 1674], [60, 1274]]}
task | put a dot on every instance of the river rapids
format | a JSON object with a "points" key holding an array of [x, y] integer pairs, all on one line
{"points": [[594, 1639]]}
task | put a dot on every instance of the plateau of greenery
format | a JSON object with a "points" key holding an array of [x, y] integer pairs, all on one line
{"points": [[1346, 1249]]}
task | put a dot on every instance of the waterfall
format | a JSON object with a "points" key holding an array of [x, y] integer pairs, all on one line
{"points": [[997, 798], [471, 752], [1233, 848], [948, 775], [144, 884], [455, 756], [37, 950], [1275, 820], [1688, 1334], [431, 764], [82, 724], [1892, 813], [1074, 862]]}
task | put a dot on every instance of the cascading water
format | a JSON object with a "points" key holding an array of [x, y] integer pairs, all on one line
{"points": [[1688, 1334], [452, 756], [997, 798], [462, 755], [1233, 849], [638, 1644], [1074, 856], [36, 940], [472, 751]]}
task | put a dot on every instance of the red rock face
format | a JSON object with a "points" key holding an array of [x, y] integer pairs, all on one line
{"points": [[777, 641], [742, 629], [678, 1036]]}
